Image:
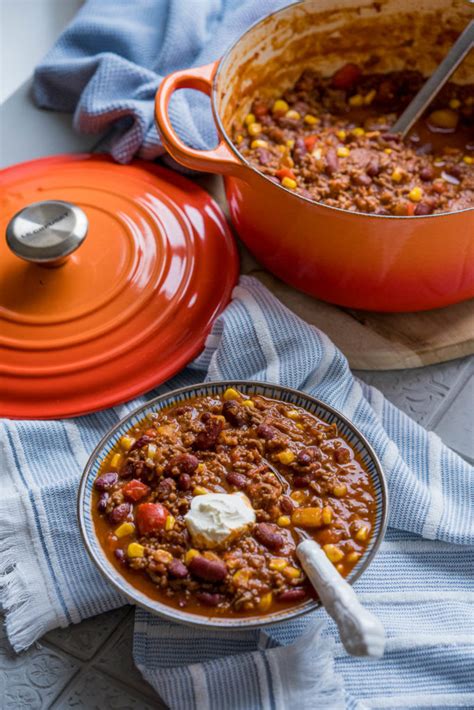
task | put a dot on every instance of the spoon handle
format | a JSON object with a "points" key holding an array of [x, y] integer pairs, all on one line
{"points": [[360, 631], [436, 81]]}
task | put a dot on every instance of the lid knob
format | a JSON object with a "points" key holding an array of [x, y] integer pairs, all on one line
{"points": [[46, 233]]}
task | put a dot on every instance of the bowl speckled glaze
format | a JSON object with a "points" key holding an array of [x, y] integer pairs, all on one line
{"points": [[285, 394]]}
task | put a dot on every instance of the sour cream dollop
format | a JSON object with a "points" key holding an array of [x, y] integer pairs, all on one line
{"points": [[215, 519]]}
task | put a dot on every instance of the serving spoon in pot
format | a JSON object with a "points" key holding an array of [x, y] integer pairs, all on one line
{"points": [[361, 633], [437, 80]]}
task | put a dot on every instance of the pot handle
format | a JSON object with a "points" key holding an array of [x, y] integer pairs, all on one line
{"points": [[217, 160]]}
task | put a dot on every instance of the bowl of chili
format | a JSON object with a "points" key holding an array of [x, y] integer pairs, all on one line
{"points": [[318, 188], [226, 440]]}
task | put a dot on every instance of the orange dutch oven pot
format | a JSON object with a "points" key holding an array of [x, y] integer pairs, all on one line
{"points": [[375, 262]]}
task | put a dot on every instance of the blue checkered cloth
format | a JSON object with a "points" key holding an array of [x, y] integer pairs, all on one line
{"points": [[108, 64], [421, 584]]}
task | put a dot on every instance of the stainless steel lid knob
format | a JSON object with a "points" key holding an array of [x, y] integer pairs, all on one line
{"points": [[46, 233]]}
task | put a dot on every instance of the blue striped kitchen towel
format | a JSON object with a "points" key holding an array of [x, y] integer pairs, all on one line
{"points": [[421, 583], [108, 64]]}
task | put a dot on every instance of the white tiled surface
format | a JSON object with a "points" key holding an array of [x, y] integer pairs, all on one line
{"points": [[90, 666]]}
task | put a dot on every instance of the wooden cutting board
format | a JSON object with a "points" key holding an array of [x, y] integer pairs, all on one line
{"points": [[371, 341]]}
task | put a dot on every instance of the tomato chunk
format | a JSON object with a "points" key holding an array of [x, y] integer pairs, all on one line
{"points": [[309, 142], [134, 490], [150, 517], [346, 76], [285, 172]]}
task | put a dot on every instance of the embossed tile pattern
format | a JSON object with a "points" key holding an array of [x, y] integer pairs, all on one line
{"points": [[95, 691]]}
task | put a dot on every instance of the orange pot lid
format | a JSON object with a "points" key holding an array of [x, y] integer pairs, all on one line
{"points": [[134, 302]]}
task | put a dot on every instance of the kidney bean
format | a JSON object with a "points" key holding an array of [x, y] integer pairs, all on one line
{"points": [[373, 168], [177, 569], [363, 179], [308, 455], [234, 413], [286, 505], [423, 208], [299, 150], [182, 410], [208, 570], [120, 513], [264, 156], [264, 431], [236, 479], [391, 137], [207, 438], [267, 534], [165, 487], [276, 134], [332, 163], [140, 443], [301, 481], [185, 463], [102, 504], [106, 481], [292, 595], [120, 556], [128, 470], [184, 482], [209, 599], [427, 174]]}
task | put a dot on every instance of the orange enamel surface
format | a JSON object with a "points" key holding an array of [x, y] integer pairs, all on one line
{"points": [[127, 310]]}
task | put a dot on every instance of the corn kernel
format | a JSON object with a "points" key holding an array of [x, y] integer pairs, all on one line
{"points": [[290, 143], [254, 129], [298, 496], [286, 456], [340, 568], [230, 393], [293, 114], [248, 403], [280, 106], [249, 118], [300, 426], [310, 119], [281, 148], [353, 557], [388, 151], [356, 100], [239, 138], [293, 414], [201, 467], [415, 194], [362, 533], [326, 515], [444, 118], [258, 143], [307, 517], [200, 491], [454, 104], [169, 522], [358, 131], [125, 529], [342, 151], [283, 521], [277, 563], [116, 461], [220, 418], [151, 451], [289, 183], [468, 159], [190, 555], [265, 601], [291, 572], [340, 490], [397, 175], [333, 552], [162, 556], [242, 576], [368, 98], [341, 134], [127, 442], [135, 550]]}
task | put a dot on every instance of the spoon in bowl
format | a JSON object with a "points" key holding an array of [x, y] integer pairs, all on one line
{"points": [[361, 633]]}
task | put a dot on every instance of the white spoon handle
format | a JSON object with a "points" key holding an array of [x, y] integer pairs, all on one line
{"points": [[360, 631]]}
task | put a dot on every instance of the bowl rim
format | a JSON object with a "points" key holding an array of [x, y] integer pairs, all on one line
{"points": [[170, 613], [214, 96]]}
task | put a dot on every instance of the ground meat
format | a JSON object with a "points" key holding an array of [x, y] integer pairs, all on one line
{"points": [[328, 140], [286, 461]]}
